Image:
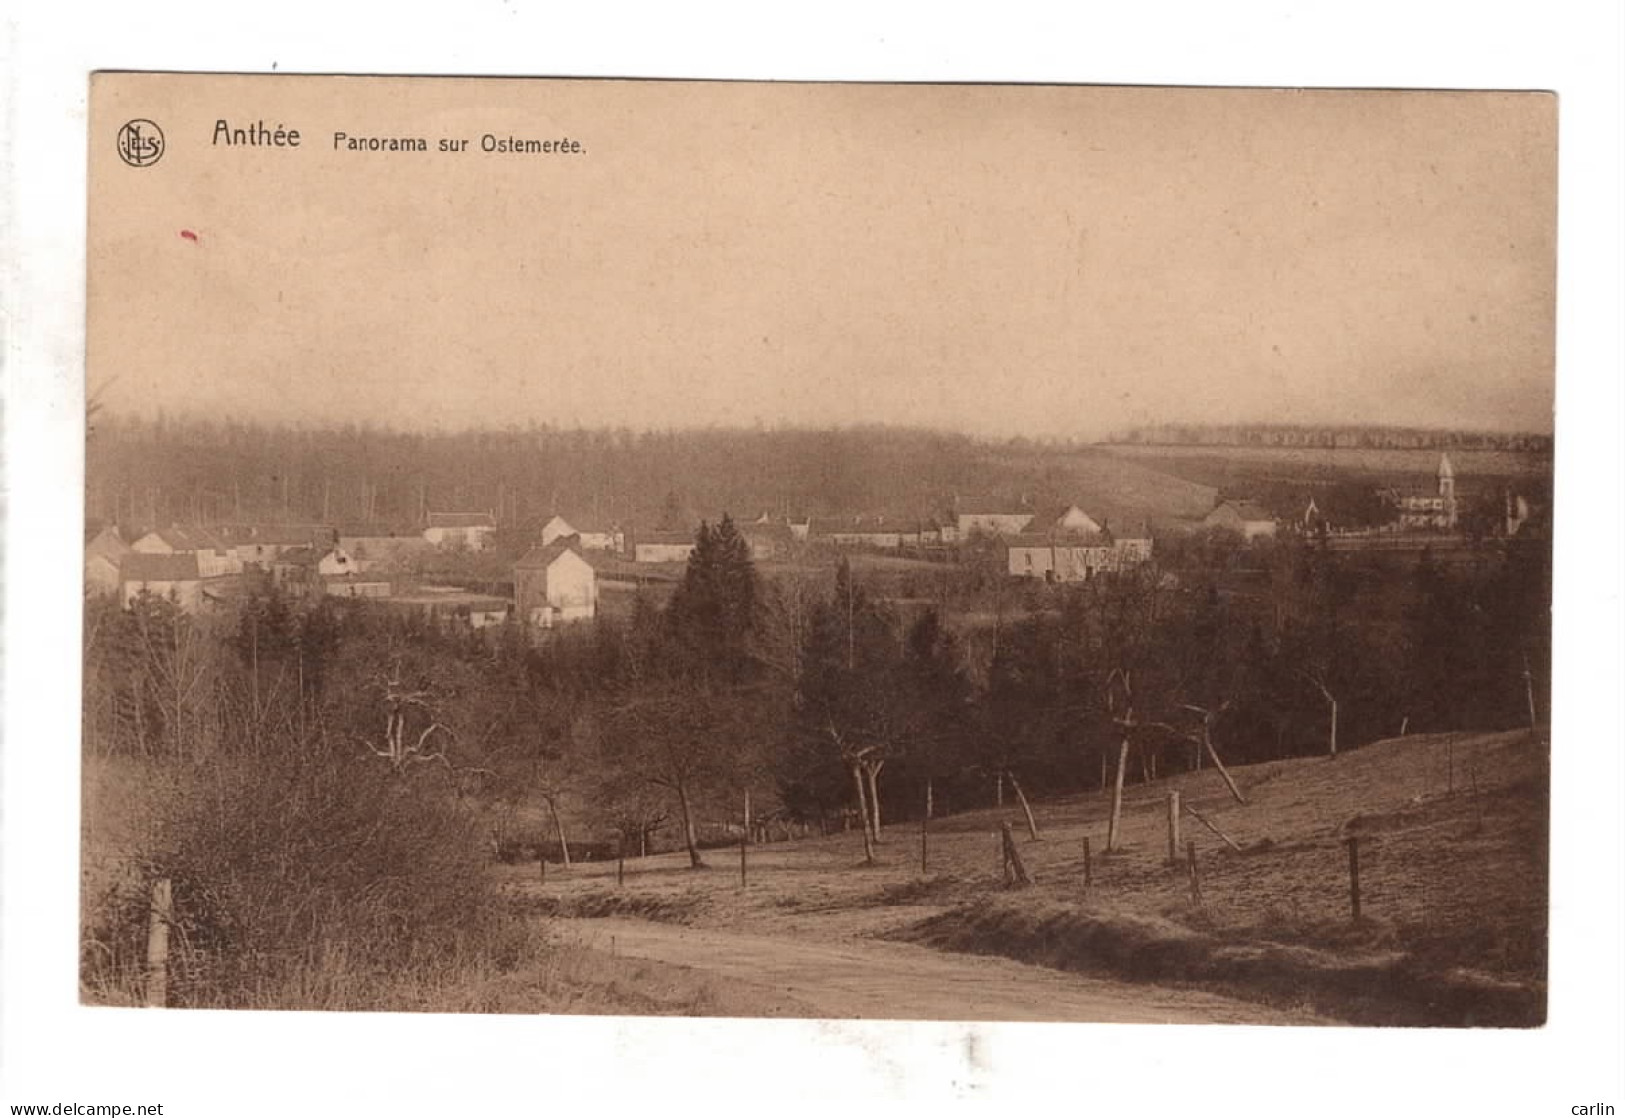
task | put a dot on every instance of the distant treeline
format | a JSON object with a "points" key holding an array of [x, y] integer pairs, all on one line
{"points": [[154, 471], [1331, 437]]}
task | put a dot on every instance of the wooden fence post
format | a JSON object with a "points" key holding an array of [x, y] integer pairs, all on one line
{"points": [[1173, 828], [743, 845], [1013, 868], [925, 824], [1088, 864], [1196, 881], [620, 869], [1204, 821], [1354, 876], [158, 943]]}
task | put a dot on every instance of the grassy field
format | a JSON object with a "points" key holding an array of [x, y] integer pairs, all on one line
{"points": [[1452, 842]]}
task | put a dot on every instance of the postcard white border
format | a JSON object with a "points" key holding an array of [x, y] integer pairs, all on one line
{"points": [[53, 1051]]}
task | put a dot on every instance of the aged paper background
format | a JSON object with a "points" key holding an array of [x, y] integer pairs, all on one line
{"points": [[205, 1064]]}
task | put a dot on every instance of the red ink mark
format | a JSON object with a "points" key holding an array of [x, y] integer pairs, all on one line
{"points": [[189, 235]]}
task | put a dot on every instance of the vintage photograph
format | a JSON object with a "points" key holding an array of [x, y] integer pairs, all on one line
{"points": [[773, 549]]}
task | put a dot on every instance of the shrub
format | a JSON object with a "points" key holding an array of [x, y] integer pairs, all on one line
{"points": [[307, 880]]}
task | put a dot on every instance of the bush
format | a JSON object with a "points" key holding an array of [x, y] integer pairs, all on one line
{"points": [[306, 881]]}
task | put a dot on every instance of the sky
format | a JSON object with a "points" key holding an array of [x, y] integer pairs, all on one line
{"points": [[1047, 261]]}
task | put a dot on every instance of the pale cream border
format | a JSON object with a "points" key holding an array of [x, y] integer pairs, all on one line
{"points": [[53, 1051]]}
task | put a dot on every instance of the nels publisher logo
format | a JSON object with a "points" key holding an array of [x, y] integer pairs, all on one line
{"points": [[140, 143]]}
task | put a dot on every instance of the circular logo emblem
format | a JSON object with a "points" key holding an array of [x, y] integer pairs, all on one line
{"points": [[140, 143]]}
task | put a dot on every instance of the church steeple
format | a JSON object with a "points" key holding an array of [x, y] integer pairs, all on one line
{"points": [[1447, 490]]}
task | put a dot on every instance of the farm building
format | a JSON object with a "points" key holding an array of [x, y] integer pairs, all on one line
{"points": [[260, 544], [1069, 520], [1059, 557], [171, 576], [1430, 507], [214, 557], [355, 585], [381, 547], [448, 607], [862, 531], [306, 570], [595, 535], [102, 555], [992, 519], [101, 574], [663, 547], [555, 585], [1055, 558], [471, 530], [1246, 519], [767, 539]]}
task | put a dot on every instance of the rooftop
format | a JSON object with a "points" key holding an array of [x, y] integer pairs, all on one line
{"points": [[137, 566]]}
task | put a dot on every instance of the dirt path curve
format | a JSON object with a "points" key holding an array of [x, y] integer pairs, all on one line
{"points": [[872, 979]]}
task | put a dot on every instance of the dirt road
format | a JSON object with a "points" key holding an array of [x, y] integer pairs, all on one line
{"points": [[876, 980]]}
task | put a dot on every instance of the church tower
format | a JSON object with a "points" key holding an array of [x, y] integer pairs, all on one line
{"points": [[1447, 489]]}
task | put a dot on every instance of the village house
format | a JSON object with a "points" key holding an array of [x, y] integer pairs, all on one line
{"points": [[449, 607], [861, 531], [931, 532], [992, 519], [767, 539], [663, 547], [102, 555], [595, 535], [1246, 519], [1428, 507], [173, 577], [381, 547], [311, 570], [555, 585], [1055, 558], [101, 574], [355, 585], [258, 545], [471, 530], [1067, 520], [1064, 557], [214, 557]]}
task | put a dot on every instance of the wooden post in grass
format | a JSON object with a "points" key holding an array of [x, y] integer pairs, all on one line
{"points": [[1173, 828], [1196, 881], [1529, 693], [1204, 821], [744, 842], [1354, 876], [158, 944], [1014, 871], [1088, 864], [925, 825], [1117, 797], [620, 869]]}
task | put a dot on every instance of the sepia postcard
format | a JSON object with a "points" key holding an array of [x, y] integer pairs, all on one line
{"points": [[826, 551]]}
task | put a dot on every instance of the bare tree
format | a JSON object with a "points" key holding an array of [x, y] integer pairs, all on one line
{"points": [[1318, 678], [413, 733]]}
